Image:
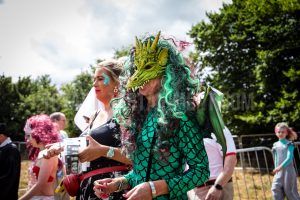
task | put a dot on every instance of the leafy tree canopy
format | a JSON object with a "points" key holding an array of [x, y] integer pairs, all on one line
{"points": [[253, 46]]}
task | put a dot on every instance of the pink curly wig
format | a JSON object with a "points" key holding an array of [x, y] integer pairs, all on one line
{"points": [[42, 129]]}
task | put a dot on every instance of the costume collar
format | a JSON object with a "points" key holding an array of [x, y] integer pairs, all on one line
{"points": [[7, 141]]}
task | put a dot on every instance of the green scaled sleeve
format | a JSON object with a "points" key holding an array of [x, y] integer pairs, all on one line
{"points": [[190, 143]]}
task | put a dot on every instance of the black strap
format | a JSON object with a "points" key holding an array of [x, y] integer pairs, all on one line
{"points": [[89, 126], [95, 116], [150, 157]]}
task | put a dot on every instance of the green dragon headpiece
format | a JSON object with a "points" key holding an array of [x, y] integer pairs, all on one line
{"points": [[150, 62]]}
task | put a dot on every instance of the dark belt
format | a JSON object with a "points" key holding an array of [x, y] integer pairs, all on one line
{"points": [[209, 183]]}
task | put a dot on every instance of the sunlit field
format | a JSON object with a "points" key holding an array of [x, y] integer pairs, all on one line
{"points": [[245, 189], [24, 177], [252, 185]]}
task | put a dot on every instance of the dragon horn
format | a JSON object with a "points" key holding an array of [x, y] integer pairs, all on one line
{"points": [[154, 44], [148, 44]]}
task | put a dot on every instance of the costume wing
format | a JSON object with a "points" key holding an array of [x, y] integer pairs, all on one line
{"points": [[209, 115], [202, 108]]}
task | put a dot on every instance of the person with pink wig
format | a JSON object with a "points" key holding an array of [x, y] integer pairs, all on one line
{"points": [[41, 132]]}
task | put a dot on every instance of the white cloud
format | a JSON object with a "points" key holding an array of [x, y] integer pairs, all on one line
{"points": [[62, 38]]}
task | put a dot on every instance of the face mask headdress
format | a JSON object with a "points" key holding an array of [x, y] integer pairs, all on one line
{"points": [[150, 62]]}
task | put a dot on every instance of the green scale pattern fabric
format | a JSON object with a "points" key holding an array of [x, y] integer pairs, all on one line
{"points": [[186, 146]]}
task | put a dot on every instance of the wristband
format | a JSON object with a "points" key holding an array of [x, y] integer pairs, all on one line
{"points": [[153, 190], [110, 152], [218, 187]]}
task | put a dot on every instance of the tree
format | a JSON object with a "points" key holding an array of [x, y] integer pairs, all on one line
{"points": [[253, 46], [42, 97], [8, 101], [124, 51], [25, 98]]}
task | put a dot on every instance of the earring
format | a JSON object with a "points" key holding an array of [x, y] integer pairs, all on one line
{"points": [[116, 92]]}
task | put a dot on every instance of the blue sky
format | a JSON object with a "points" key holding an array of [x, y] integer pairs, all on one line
{"points": [[63, 37]]}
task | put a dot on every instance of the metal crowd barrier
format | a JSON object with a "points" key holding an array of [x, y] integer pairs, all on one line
{"points": [[252, 178], [22, 149]]}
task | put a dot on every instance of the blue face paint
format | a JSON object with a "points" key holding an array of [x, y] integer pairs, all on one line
{"points": [[106, 79]]}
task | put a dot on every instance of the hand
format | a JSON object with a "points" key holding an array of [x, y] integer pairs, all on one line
{"points": [[53, 150], [93, 151], [104, 187], [277, 169], [141, 191], [213, 194]]}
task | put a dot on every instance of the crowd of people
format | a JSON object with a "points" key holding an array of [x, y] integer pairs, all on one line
{"points": [[144, 142]]}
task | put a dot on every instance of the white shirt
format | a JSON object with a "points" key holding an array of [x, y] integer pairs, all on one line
{"points": [[215, 153], [63, 135]]}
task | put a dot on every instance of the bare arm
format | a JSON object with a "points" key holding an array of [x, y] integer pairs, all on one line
{"points": [[223, 178], [225, 175], [95, 150], [118, 156]]}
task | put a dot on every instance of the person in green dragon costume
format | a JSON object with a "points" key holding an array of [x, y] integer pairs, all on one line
{"points": [[160, 132]]}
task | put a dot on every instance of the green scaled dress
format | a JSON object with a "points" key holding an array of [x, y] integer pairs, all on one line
{"points": [[186, 146]]}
